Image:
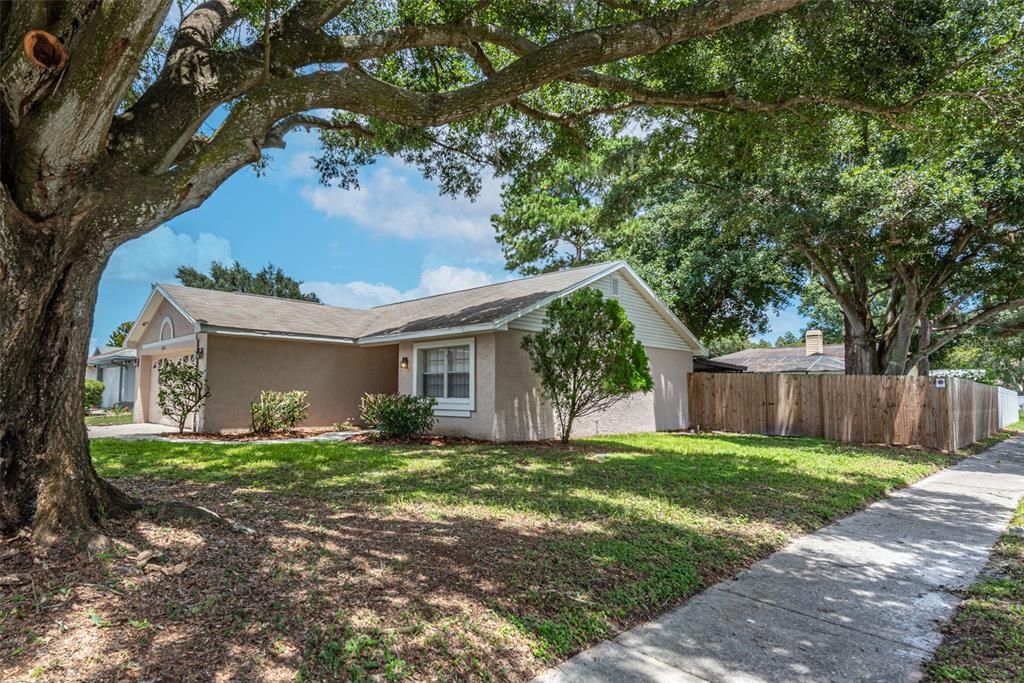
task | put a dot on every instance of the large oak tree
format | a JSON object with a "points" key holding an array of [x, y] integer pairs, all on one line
{"points": [[115, 117]]}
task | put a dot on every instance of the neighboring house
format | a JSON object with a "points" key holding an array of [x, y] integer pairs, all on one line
{"points": [[708, 365], [814, 357], [463, 348], [115, 367]]}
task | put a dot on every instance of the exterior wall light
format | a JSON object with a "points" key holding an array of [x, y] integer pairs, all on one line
{"points": [[405, 363]]}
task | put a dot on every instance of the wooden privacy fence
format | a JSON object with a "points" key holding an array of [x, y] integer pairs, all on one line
{"points": [[859, 409]]}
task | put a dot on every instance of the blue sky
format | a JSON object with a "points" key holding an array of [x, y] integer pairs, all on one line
{"points": [[394, 238]]}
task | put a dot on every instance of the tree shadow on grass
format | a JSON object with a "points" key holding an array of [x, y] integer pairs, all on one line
{"points": [[492, 555]]}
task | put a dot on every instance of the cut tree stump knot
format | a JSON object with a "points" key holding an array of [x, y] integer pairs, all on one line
{"points": [[44, 49]]}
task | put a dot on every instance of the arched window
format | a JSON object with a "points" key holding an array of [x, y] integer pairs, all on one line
{"points": [[166, 329]]}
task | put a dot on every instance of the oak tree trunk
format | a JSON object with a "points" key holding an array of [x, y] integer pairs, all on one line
{"points": [[860, 351], [49, 275]]}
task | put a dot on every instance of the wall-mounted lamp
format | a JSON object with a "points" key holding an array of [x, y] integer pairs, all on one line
{"points": [[405, 363], [199, 352]]}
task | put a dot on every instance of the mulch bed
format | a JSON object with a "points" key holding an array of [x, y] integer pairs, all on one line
{"points": [[301, 433], [431, 440]]}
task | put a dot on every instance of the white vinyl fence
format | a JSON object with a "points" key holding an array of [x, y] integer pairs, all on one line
{"points": [[1008, 407]]}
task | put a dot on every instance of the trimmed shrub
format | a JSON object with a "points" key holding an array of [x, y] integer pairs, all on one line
{"points": [[93, 393], [278, 410], [397, 416]]}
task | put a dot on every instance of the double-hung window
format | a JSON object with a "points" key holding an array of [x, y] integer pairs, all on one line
{"points": [[444, 371]]}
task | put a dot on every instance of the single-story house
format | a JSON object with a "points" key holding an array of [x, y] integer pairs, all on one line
{"points": [[115, 367], [814, 357], [463, 348], [716, 366]]}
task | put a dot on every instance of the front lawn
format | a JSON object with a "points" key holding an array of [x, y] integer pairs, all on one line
{"points": [[110, 419], [471, 561]]}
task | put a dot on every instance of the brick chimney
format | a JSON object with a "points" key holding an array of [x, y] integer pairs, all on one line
{"points": [[814, 342]]}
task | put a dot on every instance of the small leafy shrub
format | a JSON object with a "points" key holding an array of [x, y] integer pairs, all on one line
{"points": [[398, 416], [278, 410], [183, 390], [93, 393]]}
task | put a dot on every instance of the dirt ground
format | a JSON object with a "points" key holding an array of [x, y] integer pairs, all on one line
{"points": [[319, 593]]}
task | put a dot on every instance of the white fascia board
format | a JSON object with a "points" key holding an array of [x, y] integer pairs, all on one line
{"points": [[255, 334], [665, 311], [145, 313], [431, 334], [612, 267], [173, 343]]}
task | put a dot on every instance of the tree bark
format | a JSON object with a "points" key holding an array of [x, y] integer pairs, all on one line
{"points": [[924, 340], [48, 286]]}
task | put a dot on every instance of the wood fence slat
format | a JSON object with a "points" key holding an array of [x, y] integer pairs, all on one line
{"points": [[862, 409]]}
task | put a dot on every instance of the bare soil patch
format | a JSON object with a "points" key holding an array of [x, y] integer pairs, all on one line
{"points": [[320, 592]]}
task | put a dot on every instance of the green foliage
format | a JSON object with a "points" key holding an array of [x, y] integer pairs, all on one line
{"points": [[587, 357], [117, 337], [278, 410], [566, 212], [788, 339], [999, 356], [822, 312], [93, 393], [722, 346], [270, 281], [398, 416], [182, 390]]}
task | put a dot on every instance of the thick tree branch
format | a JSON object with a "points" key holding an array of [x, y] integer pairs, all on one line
{"points": [[69, 126], [973, 321], [275, 136]]}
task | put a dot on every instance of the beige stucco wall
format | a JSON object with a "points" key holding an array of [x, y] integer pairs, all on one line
{"points": [[480, 423], [335, 376], [151, 332], [509, 406], [521, 414]]}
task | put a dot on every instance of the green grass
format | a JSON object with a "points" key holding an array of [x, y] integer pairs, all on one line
{"points": [[105, 420], [985, 641], [615, 530]]}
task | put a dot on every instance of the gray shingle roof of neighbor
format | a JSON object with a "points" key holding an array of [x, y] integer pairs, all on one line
{"points": [[479, 305], [788, 359]]}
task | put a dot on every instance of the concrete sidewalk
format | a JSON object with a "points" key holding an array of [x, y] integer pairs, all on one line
{"points": [[860, 600]]}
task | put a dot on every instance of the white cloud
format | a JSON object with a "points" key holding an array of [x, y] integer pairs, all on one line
{"points": [[155, 256], [359, 294], [388, 204]]}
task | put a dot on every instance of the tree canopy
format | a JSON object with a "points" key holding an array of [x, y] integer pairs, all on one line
{"points": [[269, 281]]}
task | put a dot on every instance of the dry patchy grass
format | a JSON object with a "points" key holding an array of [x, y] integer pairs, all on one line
{"points": [[426, 562]]}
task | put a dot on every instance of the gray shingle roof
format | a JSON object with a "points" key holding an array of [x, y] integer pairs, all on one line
{"points": [[267, 313], [788, 359], [479, 305]]}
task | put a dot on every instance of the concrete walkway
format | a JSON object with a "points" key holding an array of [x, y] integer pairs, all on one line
{"points": [[860, 600], [147, 431], [131, 430]]}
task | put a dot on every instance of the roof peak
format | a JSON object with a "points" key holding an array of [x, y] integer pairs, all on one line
{"points": [[606, 264]]}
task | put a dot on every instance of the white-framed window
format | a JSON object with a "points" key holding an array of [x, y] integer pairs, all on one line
{"points": [[166, 329], [445, 370]]}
